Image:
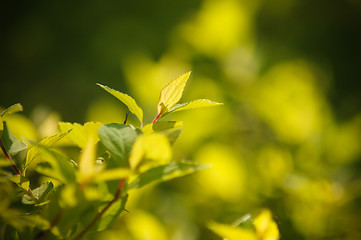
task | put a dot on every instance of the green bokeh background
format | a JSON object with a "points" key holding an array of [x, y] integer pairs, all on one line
{"points": [[288, 137]]}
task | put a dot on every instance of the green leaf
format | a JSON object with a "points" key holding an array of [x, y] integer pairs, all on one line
{"points": [[111, 214], [57, 166], [21, 181], [118, 139], [199, 103], [232, 233], [11, 143], [172, 93], [12, 109], [165, 173], [154, 148], [80, 133], [40, 193], [127, 100], [47, 142], [171, 129]]}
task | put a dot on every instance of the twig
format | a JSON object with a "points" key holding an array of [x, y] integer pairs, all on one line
{"points": [[45, 234], [98, 216]]}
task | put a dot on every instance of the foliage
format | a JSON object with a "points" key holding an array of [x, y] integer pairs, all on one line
{"points": [[76, 197]]}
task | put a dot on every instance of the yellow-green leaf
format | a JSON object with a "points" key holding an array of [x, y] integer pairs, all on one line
{"points": [[1, 127], [12, 109], [266, 227], [232, 233], [21, 181], [171, 129], [80, 133], [172, 93], [127, 100], [113, 174], [199, 103], [48, 141], [153, 148], [87, 161]]}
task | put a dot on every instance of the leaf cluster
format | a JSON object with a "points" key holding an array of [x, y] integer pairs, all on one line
{"points": [[87, 193]]}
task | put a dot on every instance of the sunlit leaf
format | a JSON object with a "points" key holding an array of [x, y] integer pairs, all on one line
{"points": [[266, 227], [150, 147], [231, 232], [48, 141], [112, 174], [40, 193], [11, 143], [171, 129], [21, 181], [199, 103], [165, 173], [118, 139], [172, 93], [57, 166], [80, 133], [127, 100], [12, 109], [87, 161]]}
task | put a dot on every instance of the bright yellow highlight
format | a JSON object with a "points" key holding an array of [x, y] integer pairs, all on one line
{"points": [[219, 27], [266, 227], [288, 101], [144, 226], [226, 176]]}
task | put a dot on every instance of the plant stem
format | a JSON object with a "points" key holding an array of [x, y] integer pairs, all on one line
{"points": [[98, 216], [157, 117], [45, 234], [17, 171]]}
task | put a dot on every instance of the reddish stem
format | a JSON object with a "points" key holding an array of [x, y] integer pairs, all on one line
{"points": [[157, 117], [16, 169], [98, 216]]}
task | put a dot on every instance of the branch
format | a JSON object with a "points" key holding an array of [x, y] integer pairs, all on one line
{"points": [[98, 216]]}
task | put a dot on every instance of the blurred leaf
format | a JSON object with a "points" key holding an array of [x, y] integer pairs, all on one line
{"points": [[12, 109], [112, 174], [127, 100], [165, 173], [171, 129], [118, 139], [199, 103], [21, 181], [151, 147], [11, 143], [266, 227], [56, 166], [80, 133], [1, 126], [40, 193], [172, 93], [232, 233], [48, 141], [87, 161]]}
